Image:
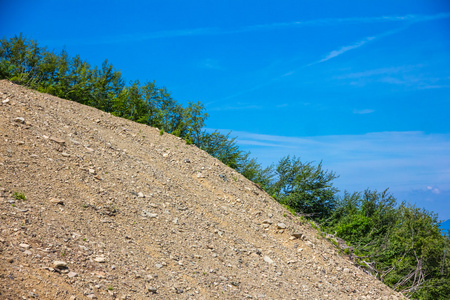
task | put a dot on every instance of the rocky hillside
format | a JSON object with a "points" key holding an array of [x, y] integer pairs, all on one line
{"points": [[94, 206]]}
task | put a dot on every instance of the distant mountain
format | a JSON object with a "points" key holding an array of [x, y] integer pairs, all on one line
{"points": [[445, 225]]}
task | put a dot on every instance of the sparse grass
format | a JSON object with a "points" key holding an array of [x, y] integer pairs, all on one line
{"points": [[110, 288], [161, 132], [19, 196]]}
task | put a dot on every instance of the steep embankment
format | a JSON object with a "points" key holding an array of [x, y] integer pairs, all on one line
{"points": [[133, 214]]}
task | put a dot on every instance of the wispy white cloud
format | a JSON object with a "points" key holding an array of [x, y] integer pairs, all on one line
{"points": [[344, 49], [207, 31], [408, 75], [337, 21], [403, 161], [363, 111], [237, 106], [209, 63]]}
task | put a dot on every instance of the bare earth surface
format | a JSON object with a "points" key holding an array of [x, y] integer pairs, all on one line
{"points": [[115, 210]]}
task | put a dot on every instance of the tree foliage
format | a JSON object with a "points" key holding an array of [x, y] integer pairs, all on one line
{"points": [[306, 188], [398, 243]]}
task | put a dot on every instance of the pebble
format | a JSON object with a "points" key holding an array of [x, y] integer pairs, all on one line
{"points": [[72, 274], [59, 264], [5, 101], [141, 195], [158, 266], [297, 235], [19, 120], [281, 226], [100, 259], [268, 260], [152, 290], [25, 246], [58, 141], [56, 201], [27, 252]]}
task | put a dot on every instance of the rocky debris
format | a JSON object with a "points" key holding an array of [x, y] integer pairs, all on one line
{"points": [[215, 236]]}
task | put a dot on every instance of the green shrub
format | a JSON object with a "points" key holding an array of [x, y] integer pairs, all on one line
{"points": [[19, 196]]}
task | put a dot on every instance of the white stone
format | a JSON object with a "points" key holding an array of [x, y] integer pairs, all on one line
{"points": [[268, 260]]}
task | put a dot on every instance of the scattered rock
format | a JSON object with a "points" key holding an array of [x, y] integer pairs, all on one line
{"points": [[58, 141], [149, 214], [57, 264], [25, 246], [281, 226], [19, 120], [72, 274], [297, 235], [268, 260], [56, 201], [100, 259]]}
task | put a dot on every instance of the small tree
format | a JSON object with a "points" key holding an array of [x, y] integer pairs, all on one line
{"points": [[308, 189]]}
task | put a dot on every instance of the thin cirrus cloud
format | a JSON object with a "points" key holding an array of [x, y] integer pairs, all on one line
{"points": [[403, 161], [363, 111], [138, 37]]}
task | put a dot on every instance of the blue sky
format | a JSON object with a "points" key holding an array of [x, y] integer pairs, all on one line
{"points": [[363, 86]]}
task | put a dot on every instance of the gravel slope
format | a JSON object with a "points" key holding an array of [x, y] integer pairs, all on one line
{"points": [[115, 210]]}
